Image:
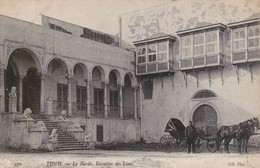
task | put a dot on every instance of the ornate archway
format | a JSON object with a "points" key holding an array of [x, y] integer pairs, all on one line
{"points": [[22, 72], [205, 116]]}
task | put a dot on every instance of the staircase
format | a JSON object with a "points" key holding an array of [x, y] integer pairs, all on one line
{"points": [[65, 141]]}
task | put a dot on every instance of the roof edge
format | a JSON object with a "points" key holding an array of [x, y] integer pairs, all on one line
{"points": [[180, 32], [172, 37], [244, 22]]}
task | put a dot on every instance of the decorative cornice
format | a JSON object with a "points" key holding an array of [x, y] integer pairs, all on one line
{"points": [[13, 45]]}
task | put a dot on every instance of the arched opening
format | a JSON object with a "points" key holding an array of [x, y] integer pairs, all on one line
{"points": [[79, 104], [31, 87], [114, 105], [128, 98], [57, 85], [97, 103], [206, 117], [22, 73], [204, 94]]}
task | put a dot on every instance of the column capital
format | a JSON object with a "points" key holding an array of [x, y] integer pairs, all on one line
{"points": [[105, 83], [135, 88], [120, 85], [43, 75], [69, 78]]}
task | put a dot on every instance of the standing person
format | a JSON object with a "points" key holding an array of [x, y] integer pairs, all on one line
{"points": [[190, 133]]}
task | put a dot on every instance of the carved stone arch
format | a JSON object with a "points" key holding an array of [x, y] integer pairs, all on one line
{"points": [[204, 94], [66, 68], [84, 68], [31, 53], [118, 76], [34, 51], [101, 70], [132, 77]]}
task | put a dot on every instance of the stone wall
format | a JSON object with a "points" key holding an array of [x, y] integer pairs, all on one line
{"points": [[114, 130], [16, 133]]}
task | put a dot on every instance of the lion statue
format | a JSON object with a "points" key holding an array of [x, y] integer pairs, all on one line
{"points": [[26, 114]]}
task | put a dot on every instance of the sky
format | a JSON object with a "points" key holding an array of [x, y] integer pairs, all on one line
{"points": [[101, 15]]}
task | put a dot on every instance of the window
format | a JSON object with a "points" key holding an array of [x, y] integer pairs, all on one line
{"points": [[151, 48], [152, 58], [114, 98], [239, 39], [141, 50], [152, 52], [81, 97], [148, 89], [162, 50], [186, 46], [253, 37], [211, 41], [141, 54], [141, 59], [98, 96], [100, 133], [204, 94], [62, 96], [198, 42], [62, 92]]}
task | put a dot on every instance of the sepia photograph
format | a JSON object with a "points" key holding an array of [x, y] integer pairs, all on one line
{"points": [[129, 83]]}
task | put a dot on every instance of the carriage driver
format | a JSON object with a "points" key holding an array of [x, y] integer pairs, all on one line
{"points": [[190, 133]]}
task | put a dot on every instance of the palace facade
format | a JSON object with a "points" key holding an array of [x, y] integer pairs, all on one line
{"points": [[79, 70], [207, 74]]}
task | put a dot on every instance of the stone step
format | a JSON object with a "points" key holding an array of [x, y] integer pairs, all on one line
{"points": [[69, 148], [70, 145], [65, 141]]}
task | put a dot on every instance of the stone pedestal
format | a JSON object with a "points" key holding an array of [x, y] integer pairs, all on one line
{"points": [[12, 104], [49, 107]]}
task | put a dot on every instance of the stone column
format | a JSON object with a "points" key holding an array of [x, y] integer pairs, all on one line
{"points": [[43, 109], [69, 79], [20, 94], [141, 98], [121, 101], [2, 90], [135, 98], [88, 98], [106, 98]]}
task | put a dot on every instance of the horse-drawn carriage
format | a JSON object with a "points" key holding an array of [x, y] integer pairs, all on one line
{"points": [[175, 140]]}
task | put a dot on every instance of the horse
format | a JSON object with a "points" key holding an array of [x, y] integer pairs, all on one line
{"points": [[241, 132], [246, 131]]}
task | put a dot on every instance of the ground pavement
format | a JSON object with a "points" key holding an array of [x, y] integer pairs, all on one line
{"points": [[127, 159]]}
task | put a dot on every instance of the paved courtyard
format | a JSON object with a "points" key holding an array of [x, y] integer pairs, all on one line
{"points": [[127, 159]]}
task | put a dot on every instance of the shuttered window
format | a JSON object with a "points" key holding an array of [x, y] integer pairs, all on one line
{"points": [[100, 133], [98, 96], [148, 89]]}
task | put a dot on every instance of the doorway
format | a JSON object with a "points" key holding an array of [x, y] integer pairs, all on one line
{"points": [[205, 116], [32, 90]]}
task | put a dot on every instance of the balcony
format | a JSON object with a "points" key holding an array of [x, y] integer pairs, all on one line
{"points": [[154, 67], [79, 109], [113, 111], [128, 112], [58, 106], [246, 56], [97, 110], [199, 62]]}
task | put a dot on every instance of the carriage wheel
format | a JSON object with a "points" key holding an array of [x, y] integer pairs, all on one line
{"points": [[199, 145], [212, 145], [179, 145], [166, 143]]}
